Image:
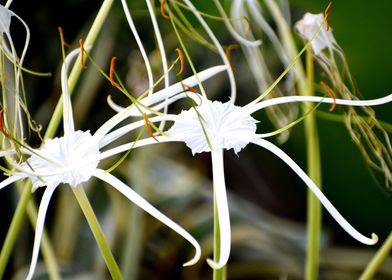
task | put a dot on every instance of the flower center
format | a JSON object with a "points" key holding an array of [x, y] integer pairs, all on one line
{"points": [[70, 159], [214, 125]]}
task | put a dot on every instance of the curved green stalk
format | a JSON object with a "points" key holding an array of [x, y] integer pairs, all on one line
{"points": [[14, 229], [314, 172], [96, 229], [377, 260]]}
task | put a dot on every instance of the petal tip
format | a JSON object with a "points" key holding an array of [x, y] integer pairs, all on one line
{"points": [[195, 259], [374, 239], [215, 265]]}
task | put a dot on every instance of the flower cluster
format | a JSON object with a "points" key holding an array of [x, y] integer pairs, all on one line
{"points": [[206, 126]]}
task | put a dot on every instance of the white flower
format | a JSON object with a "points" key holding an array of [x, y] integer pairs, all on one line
{"points": [[73, 158], [308, 27], [51, 164], [215, 126], [224, 125]]}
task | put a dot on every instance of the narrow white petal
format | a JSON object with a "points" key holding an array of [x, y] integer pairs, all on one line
{"points": [[146, 206], [234, 32], [67, 106], [115, 134], [39, 227], [140, 45], [161, 46], [11, 180], [134, 145], [218, 46], [159, 96], [316, 191], [317, 99], [223, 209]]}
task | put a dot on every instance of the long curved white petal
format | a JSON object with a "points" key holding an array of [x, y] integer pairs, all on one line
{"points": [[140, 45], [159, 96], [251, 108], [11, 180], [39, 228], [67, 106], [146, 206], [218, 46], [220, 198], [115, 134], [316, 191], [232, 30]]}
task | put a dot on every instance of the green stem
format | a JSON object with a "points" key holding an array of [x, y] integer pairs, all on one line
{"points": [[314, 172], [378, 259], [14, 229], [97, 232]]}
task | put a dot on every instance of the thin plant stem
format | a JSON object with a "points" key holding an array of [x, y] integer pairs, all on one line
{"points": [[378, 259], [314, 172], [14, 229], [96, 229]]}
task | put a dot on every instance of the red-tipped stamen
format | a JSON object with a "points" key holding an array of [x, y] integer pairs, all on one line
{"points": [[193, 90], [62, 38], [181, 57], [82, 53], [111, 71], [331, 93], [326, 14], [164, 15], [148, 127]]}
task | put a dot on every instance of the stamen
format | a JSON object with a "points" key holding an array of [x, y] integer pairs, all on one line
{"points": [[148, 127], [192, 89], [326, 14], [164, 15], [331, 93], [228, 51], [82, 53], [181, 57], [62, 38], [111, 71], [2, 129]]}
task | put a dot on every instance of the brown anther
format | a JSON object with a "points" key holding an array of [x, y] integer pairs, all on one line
{"points": [[111, 71], [164, 15], [148, 127], [193, 90], [82, 53], [181, 57], [326, 14], [62, 38], [331, 93], [228, 51]]}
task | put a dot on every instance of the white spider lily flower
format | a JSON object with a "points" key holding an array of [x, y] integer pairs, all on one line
{"points": [[73, 158], [308, 27], [215, 126]]}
